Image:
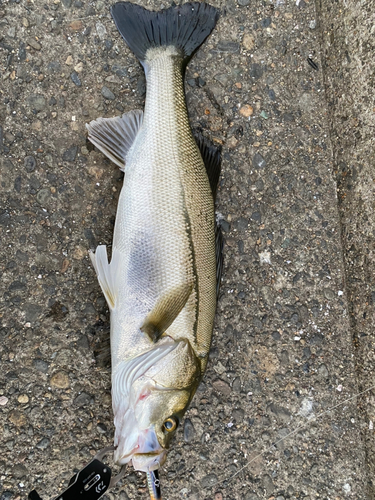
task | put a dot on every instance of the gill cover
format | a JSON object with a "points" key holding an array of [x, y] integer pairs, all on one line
{"points": [[147, 391]]}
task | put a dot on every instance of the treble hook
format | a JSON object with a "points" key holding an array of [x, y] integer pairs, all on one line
{"points": [[153, 482]]}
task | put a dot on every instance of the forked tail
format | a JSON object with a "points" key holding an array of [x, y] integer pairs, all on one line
{"points": [[184, 26]]}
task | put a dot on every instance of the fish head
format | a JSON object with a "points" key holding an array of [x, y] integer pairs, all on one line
{"points": [[158, 419], [148, 417]]}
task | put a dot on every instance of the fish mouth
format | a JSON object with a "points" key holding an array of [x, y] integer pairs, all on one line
{"points": [[145, 462], [147, 455], [149, 462]]}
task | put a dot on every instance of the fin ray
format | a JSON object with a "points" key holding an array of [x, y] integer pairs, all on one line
{"points": [[115, 136], [165, 311], [219, 246], [211, 156], [107, 273], [183, 26]]}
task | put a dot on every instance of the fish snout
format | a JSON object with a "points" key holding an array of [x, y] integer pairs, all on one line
{"points": [[147, 454], [148, 442]]}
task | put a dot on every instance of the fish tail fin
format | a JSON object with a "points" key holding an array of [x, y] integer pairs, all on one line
{"points": [[184, 26]]}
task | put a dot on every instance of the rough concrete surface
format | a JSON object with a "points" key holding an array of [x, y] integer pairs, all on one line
{"points": [[348, 52], [276, 85]]}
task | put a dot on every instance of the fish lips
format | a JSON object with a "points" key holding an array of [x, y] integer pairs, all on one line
{"points": [[146, 456], [148, 462]]}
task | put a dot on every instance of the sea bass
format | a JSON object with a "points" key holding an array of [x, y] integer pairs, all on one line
{"points": [[161, 283]]}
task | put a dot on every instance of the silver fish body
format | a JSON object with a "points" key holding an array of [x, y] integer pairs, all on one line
{"points": [[165, 222], [161, 282]]}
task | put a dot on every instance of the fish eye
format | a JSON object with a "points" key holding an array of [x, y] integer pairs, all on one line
{"points": [[170, 424]]}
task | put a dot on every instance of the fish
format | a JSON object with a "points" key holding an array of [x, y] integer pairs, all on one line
{"points": [[161, 283]]}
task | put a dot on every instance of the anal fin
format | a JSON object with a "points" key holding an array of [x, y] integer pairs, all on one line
{"points": [[165, 311], [115, 136]]}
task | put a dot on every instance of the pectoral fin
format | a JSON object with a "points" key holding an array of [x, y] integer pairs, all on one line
{"points": [[165, 311]]}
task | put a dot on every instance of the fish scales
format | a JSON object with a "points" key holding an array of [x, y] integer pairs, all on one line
{"points": [[170, 238], [161, 282]]}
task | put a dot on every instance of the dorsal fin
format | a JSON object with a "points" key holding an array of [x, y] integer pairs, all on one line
{"points": [[219, 245], [211, 156]]}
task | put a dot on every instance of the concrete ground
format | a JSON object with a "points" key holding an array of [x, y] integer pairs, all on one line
{"points": [[286, 88]]}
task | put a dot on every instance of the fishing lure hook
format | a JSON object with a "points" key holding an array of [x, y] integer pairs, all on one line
{"points": [[153, 483]]}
